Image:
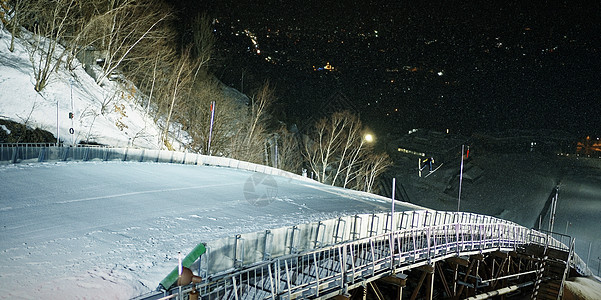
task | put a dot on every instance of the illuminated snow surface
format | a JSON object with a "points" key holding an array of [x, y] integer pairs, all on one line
{"points": [[112, 230], [87, 228]]}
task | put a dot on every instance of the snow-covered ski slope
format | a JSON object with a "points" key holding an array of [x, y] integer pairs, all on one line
{"points": [[83, 229]]}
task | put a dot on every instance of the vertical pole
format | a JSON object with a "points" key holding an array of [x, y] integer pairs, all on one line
{"points": [[365, 292], [460, 178], [179, 263], [72, 112], [392, 224], [430, 283], [211, 126], [179, 272], [419, 166], [275, 137], [57, 132], [553, 208], [399, 290], [392, 209], [588, 257], [455, 278]]}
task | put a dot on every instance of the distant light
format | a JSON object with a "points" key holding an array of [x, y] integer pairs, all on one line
{"points": [[440, 73], [369, 138]]}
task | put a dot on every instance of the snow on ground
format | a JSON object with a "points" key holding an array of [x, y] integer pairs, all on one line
{"points": [[515, 187], [97, 110], [87, 228], [84, 229], [582, 288]]}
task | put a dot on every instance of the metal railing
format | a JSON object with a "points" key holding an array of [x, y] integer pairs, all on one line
{"points": [[224, 255], [335, 269]]}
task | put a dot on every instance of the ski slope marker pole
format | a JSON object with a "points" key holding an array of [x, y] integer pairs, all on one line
{"points": [[460, 178]]}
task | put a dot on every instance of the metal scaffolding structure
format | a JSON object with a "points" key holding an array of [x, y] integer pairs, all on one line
{"points": [[473, 256]]}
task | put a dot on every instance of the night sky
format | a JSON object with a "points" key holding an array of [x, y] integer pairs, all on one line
{"points": [[408, 64]]}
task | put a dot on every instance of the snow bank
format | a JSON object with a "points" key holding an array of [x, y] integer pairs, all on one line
{"points": [[582, 288]]}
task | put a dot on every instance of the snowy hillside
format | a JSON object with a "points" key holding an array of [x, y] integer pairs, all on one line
{"points": [[102, 114]]}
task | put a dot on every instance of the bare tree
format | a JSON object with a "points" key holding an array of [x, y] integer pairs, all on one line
{"points": [[124, 26], [338, 154], [289, 151], [194, 115], [49, 27], [203, 39], [13, 23], [372, 167], [258, 111], [324, 145], [351, 146], [249, 139], [181, 77]]}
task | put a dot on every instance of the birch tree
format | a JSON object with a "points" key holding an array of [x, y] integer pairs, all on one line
{"points": [[127, 25], [289, 151], [338, 153], [182, 75], [50, 20], [320, 150], [13, 24], [372, 167], [249, 140], [351, 145]]}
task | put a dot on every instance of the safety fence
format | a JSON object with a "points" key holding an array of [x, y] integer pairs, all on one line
{"points": [[31, 153], [242, 250], [322, 270]]}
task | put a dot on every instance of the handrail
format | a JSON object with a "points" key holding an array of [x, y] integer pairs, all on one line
{"points": [[335, 268]]}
